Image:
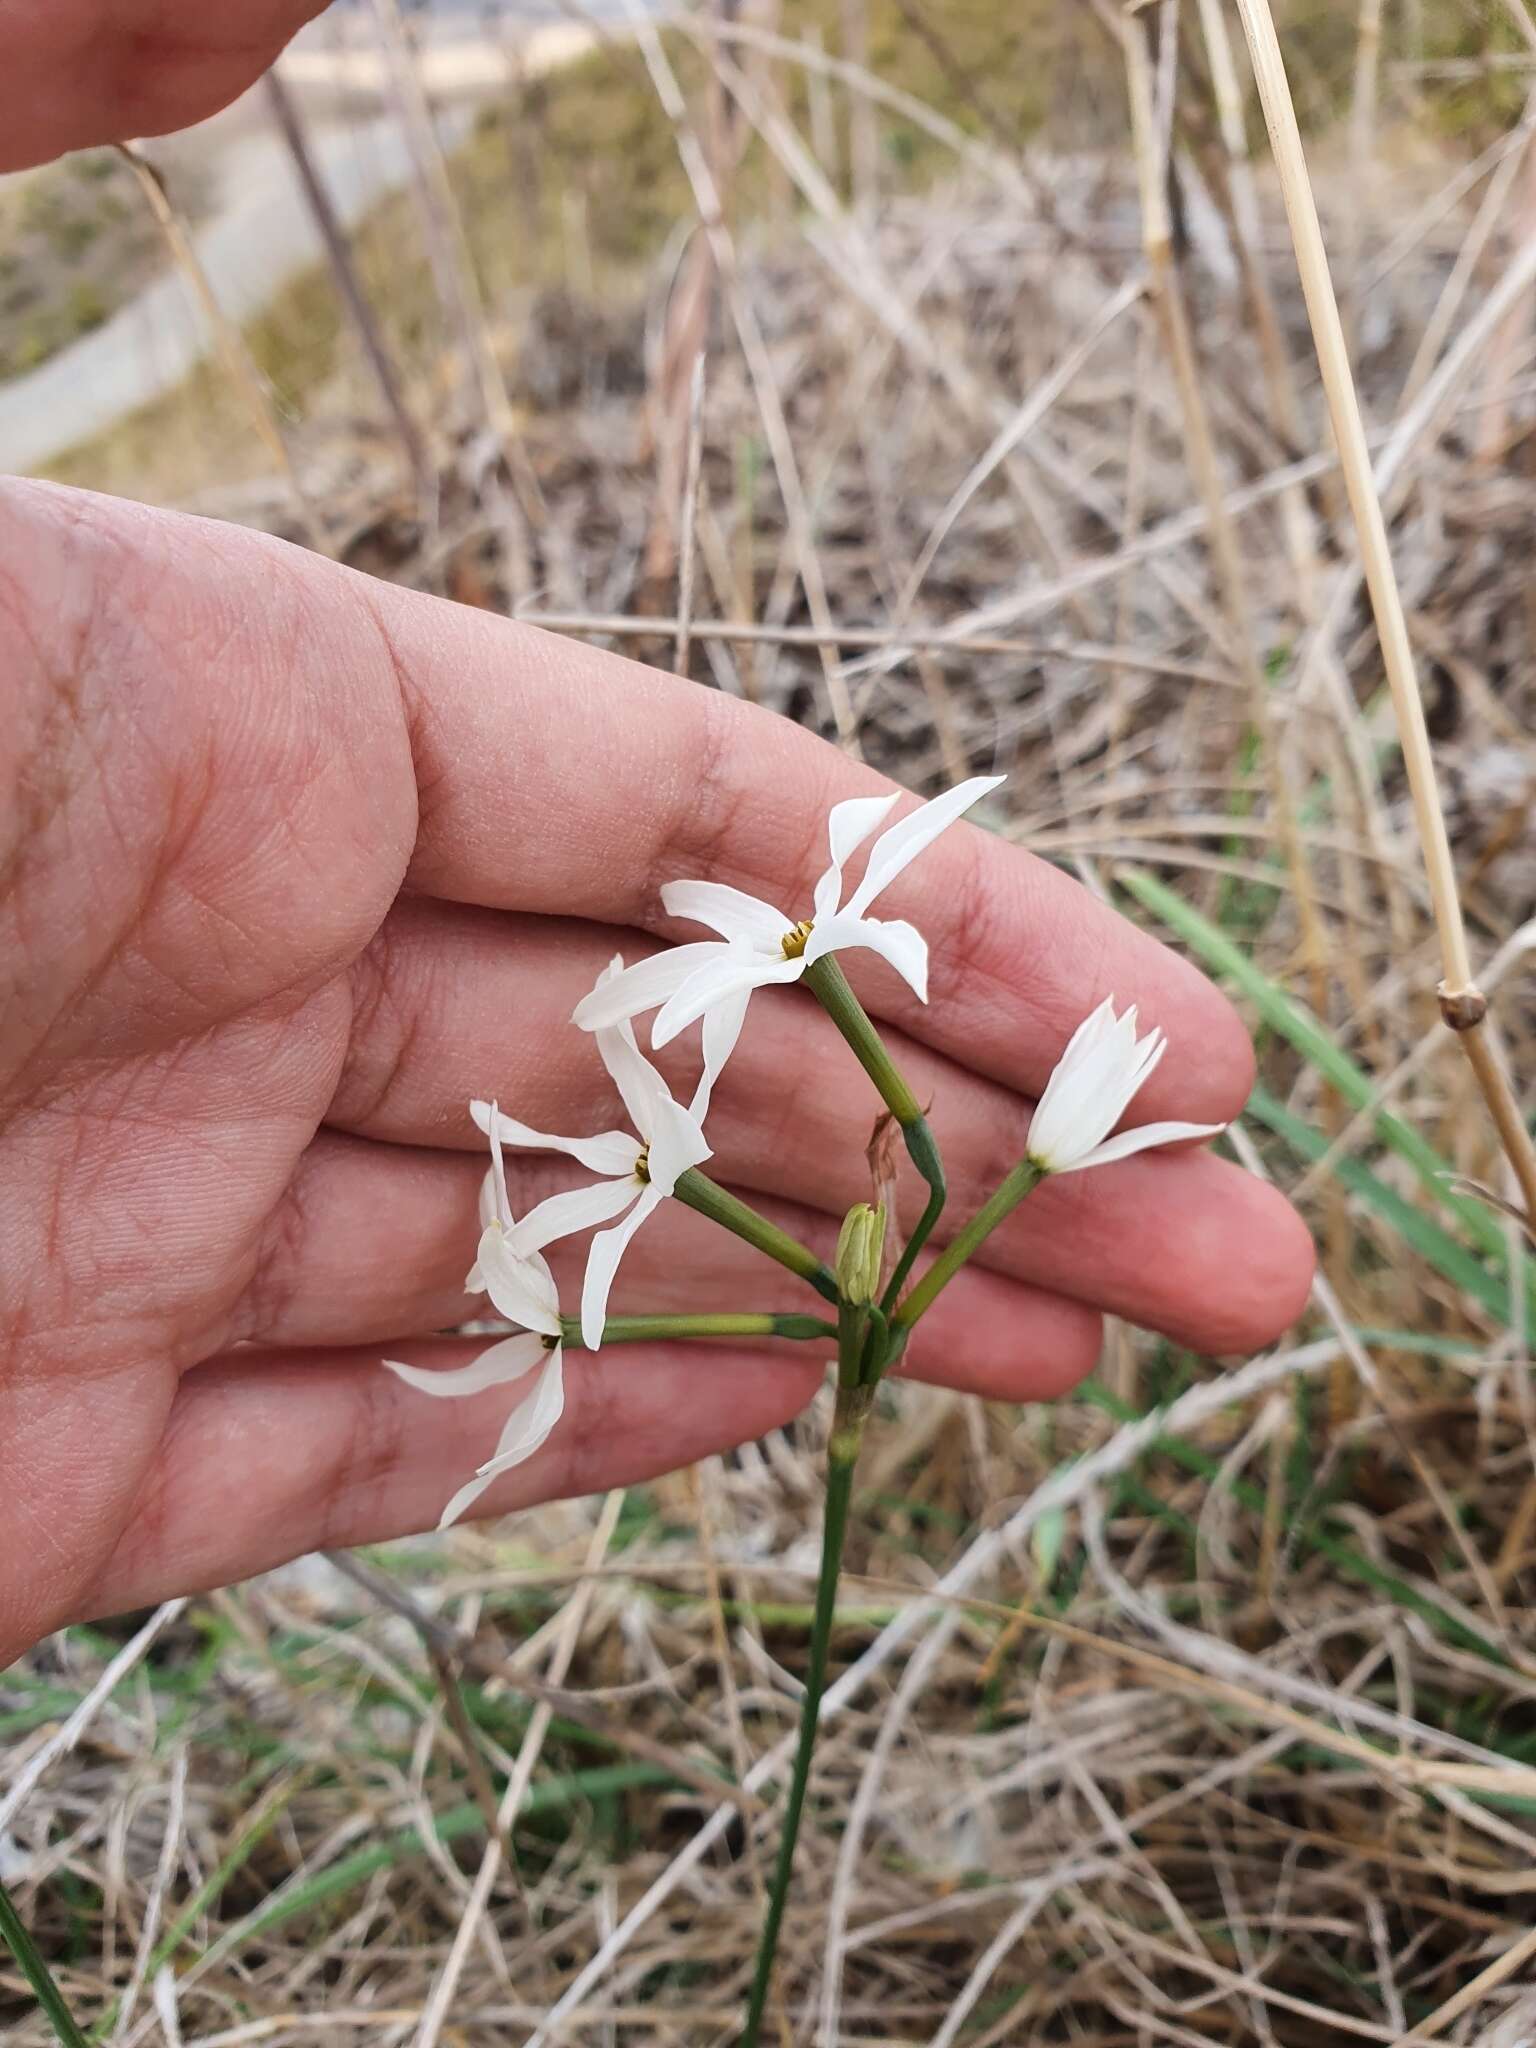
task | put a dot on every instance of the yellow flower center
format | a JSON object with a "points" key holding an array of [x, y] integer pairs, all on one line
{"points": [[643, 1166], [793, 942]]}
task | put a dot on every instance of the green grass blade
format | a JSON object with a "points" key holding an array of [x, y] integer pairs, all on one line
{"points": [[37, 1973], [1303, 1032], [1460, 1266], [1317, 1534]]}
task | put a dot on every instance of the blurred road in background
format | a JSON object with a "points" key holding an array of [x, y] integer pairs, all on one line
{"points": [[259, 232]]}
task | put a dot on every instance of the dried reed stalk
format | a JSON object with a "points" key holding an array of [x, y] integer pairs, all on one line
{"points": [[1167, 295], [338, 255], [1462, 1003], [228, 340]]}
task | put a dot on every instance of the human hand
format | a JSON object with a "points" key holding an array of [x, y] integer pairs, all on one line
{"points": [[292, 864]]}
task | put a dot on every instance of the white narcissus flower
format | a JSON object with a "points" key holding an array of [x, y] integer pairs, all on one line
{"points": [[1090, 1090], [639, 1172], [522, 1288], [759, 945]]}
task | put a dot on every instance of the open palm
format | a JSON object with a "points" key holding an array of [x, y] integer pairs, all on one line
{"points": [[293, 864]]}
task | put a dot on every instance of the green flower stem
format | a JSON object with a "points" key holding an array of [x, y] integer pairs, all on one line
{"points": [[853, 1406], [712, 1200], [37, 1974], [829, 985], [1023, 1180], [651, 1329]]}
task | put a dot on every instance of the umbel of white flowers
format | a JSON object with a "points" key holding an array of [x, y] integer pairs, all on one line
{"points": [[1090, 1089]]}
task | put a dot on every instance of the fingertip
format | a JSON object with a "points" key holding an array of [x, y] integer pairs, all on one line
{"points": [[1268, 1290]]}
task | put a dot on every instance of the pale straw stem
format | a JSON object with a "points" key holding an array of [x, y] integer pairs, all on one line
{"points": [[1461, 1002]]}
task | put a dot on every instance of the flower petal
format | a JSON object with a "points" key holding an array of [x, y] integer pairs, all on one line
{"points": [[904, 842], [644, 1091], [677, 1145], [722, 1028], [892, 938], [494, 1202], [849, 824], [643, 986], [603, 1262], [608, 1152], [520, 1284], [732, 973], [564, 1214], [531, 1420], [731, 912], [498, 1367], [525, 1431], [1142, 1139]]}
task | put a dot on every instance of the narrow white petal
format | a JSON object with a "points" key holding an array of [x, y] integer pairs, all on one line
{"points": [[643, 986], [526, 1429], [730, 912], [905, 841], [564, 1214], [603, 1262], [735, 973], [498, 1367], [1142, 1139], [494, 1202], [892, 938], [722, 1028], [678, 1144], [462, 1502], [849, 824], [1089, 1032], [531, 1420], [606, 1152], [519, 1282], [637, 1081]]}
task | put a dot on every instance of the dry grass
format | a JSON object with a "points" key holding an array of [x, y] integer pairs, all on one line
{"points": [[1199, 1707]]}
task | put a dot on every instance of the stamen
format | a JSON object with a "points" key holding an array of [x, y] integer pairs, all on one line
{"points": [[793, 942]]}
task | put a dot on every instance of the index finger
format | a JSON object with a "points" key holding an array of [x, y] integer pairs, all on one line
{"points": [[567, 780], [544, 775]]}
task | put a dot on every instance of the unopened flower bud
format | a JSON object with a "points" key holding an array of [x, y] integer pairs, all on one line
{"points": [[860, 1248]]}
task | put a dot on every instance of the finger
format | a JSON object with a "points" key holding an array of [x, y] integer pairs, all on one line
{"points": [[672, 781], [555, 778], [1181, 1242], [268, 1456], [375, 1240], [80, 72]]}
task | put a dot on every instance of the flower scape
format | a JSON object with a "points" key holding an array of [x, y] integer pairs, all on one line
{"points": [[868, 1306]]}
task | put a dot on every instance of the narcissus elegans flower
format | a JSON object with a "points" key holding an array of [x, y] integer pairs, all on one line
{"points": [[639, 1172], [522, 1288], [1089, 1091], [759, 945]]}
